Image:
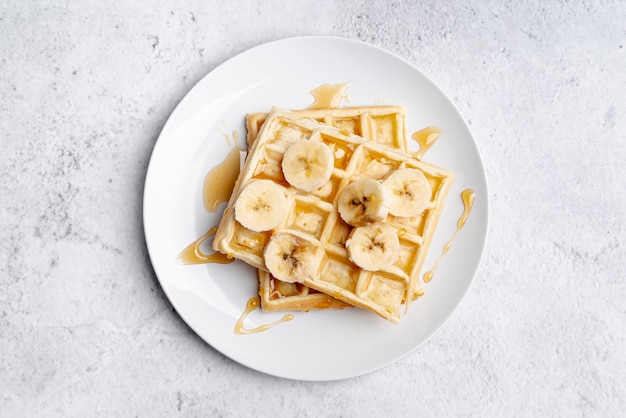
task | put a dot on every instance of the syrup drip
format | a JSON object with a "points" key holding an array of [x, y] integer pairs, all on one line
{"points": [[231, 140], [228, 139], [329, 95], [426, 138], [253, 303], [468, 197], [220, 181], [193, 255]]}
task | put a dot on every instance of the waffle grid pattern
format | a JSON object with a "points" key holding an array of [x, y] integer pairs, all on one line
{"points": [[383, 124]]}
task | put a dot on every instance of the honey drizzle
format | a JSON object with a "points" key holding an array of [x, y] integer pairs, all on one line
{"points": [[329, 95], [193, 255], [228, 139], [220, 181], [253, 303], [426, 138], [468, 197]]}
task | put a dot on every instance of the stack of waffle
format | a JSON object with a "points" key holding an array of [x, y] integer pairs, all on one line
{"points": [[293, 229]]}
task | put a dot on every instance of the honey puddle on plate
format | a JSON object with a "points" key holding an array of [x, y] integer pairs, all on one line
{"points": [[192, 254], [253, 303], [220, 181], [426, 138], [329, 95], [218, 186], [468, 197]]}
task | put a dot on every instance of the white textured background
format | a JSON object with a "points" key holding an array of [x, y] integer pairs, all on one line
{"points": [[84, 91]]}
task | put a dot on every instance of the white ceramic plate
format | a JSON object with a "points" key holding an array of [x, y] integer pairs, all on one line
{"points": [[318, 345]]}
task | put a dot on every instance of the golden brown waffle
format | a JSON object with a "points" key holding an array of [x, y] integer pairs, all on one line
{"points": [[383, 291], [383, 124], [277, 295]]}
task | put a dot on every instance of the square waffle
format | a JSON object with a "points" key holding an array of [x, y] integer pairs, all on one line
{"points": [[383, 291], [382, 124]]}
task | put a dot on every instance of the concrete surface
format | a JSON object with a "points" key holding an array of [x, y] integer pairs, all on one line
{"points": [[85, 329]]}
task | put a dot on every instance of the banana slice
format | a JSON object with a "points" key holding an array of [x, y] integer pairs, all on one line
{"points": [[373, 247], [307, 165], [291, 257], [363, 202], [261, 206], [410, 192]]}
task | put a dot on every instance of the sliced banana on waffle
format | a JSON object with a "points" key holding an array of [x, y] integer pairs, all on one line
{"points": [[373, 247], [363, 202], [410, 192], [261, 206], [308, 165], [291, 257]]}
